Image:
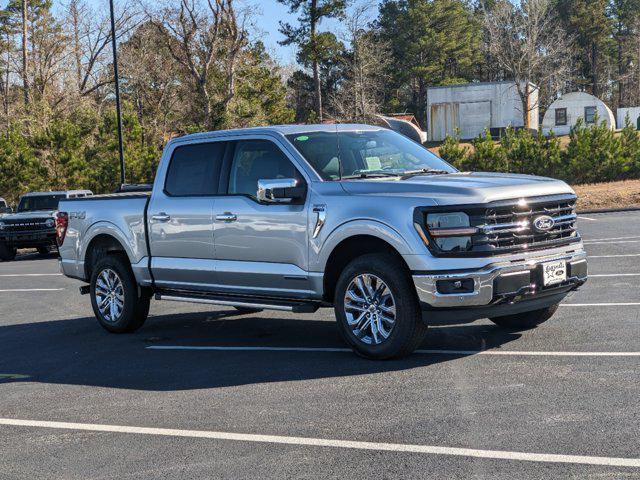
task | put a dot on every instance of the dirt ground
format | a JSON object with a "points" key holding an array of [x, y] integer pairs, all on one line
{"points": [[598, 196]]}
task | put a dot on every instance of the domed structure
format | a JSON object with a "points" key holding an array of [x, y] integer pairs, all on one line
{"points": [[565, 112]]}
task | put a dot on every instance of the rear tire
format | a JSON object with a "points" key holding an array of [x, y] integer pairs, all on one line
{"points": [[394, 326], [7, 253], [119, 304], [247, 310], [525, 320], [44, 251]]}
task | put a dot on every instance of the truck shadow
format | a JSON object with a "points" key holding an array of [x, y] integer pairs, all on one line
{"points": [[79, 352]]}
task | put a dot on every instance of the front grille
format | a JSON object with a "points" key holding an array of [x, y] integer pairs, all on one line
{"points": [[512, 226], [508, 226], [30, 225]]}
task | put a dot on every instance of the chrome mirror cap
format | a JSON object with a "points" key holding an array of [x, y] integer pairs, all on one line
{"points": [[274, 191]]}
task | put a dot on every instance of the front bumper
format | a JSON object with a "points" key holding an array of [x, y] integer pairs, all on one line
{"points": [[26, 239], [499, 283]]}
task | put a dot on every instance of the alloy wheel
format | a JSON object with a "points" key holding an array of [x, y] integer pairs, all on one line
{"points": [[370, 309], [109, 294]]}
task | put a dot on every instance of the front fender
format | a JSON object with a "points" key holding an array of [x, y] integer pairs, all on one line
{"points": [[320, 253]]}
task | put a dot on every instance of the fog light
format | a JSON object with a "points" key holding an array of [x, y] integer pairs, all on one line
{"points": [[453, 287]]}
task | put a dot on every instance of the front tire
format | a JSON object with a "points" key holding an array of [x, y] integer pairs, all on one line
{"points": [[7, 253], [377, 308], [119, 305], [525, 320]]}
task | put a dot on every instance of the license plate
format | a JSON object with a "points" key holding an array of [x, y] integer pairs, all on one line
{"points": [[554, 272]]}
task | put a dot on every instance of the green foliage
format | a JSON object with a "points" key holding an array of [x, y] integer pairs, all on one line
{"points": [[594, 154], [79, 151], [453, 152], [486, 155], [432, 43]]}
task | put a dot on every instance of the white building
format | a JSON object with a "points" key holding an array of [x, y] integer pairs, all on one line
{"points": [[472, 108], [634, 116], [565, 112]]}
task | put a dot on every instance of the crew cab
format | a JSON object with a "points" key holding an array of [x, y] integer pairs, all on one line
{"points": [[33, 223], [354, 217]]}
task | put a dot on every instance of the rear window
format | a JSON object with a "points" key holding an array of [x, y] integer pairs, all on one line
{"points": [[194, 170], [40, 202]]}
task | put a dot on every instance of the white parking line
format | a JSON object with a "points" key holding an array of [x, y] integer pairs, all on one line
{"points": [[614, 275], [32, 290], [424, 351], [608, 304], [587, 218], [629, 237], [30, 275], [608, 242], [615, 256], [333, 443]]}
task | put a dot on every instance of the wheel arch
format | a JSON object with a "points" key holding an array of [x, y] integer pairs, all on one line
{"points": [[100, 244], [349, 249]]}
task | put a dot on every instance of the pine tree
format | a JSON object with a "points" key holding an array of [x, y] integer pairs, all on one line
{"points": [[314, 47], [432, 43]]}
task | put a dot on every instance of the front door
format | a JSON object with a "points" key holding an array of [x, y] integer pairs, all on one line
{"points": [[180, 217], [260, 248]]}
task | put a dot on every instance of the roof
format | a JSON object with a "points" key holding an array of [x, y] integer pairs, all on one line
{"points": [[478, 84], [283, 130], [54, 192]]}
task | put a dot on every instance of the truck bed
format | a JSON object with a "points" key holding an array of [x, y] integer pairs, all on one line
{"points": [[118, 215]]}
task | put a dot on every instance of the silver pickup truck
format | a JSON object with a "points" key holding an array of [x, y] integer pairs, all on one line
{"points": [[351, 216]]}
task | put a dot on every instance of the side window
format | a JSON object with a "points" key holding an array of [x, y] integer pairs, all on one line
{"points": [[195, 170], [590, 114], [255, 160]]}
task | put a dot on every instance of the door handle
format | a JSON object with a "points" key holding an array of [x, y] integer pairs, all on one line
{"points": [[160, 217], [227, 217]]}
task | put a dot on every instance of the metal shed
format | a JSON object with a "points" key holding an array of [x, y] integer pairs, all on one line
{"points": [[565, 112], [471, 108], [634, 116]]}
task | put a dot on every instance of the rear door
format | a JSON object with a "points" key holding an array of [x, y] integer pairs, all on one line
{"points": [[180, 217]]}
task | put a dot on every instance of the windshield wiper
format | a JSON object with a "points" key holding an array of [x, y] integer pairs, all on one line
{"points": [[423, 171], [370, 175]]}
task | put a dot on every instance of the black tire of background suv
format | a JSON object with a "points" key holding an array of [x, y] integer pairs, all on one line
{"points": [[44, 250], [409, 329], [525, 320], [7, 253], [136, 300]]}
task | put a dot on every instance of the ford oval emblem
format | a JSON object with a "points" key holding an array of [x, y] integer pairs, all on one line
{"points": [[543, 223]]}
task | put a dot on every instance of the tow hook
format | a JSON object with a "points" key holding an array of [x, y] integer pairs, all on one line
{"points": [[85, 289]]}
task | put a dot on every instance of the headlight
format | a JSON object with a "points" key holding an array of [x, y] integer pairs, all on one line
{"points": [[451, 231]]}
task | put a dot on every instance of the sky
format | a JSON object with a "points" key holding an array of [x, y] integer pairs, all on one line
{"points": [[268, 15]]}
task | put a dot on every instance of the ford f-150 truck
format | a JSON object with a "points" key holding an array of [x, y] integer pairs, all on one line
{"points": [[33, 223], [351, 216]]}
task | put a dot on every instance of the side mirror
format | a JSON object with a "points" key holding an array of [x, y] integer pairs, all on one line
{"points": [[281, 190]]}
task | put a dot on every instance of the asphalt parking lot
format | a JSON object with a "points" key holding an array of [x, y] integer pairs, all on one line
{"points": [[281, 398]]}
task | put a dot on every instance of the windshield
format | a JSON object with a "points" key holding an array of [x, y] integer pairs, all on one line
{"points": [[360, 154], [40, 202]]}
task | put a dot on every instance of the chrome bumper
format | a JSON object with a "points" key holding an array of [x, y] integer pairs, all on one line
{"points": [[484, 281]]}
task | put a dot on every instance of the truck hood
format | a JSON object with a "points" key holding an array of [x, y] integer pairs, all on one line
{"points": [[460, 188], [30, 215]]}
